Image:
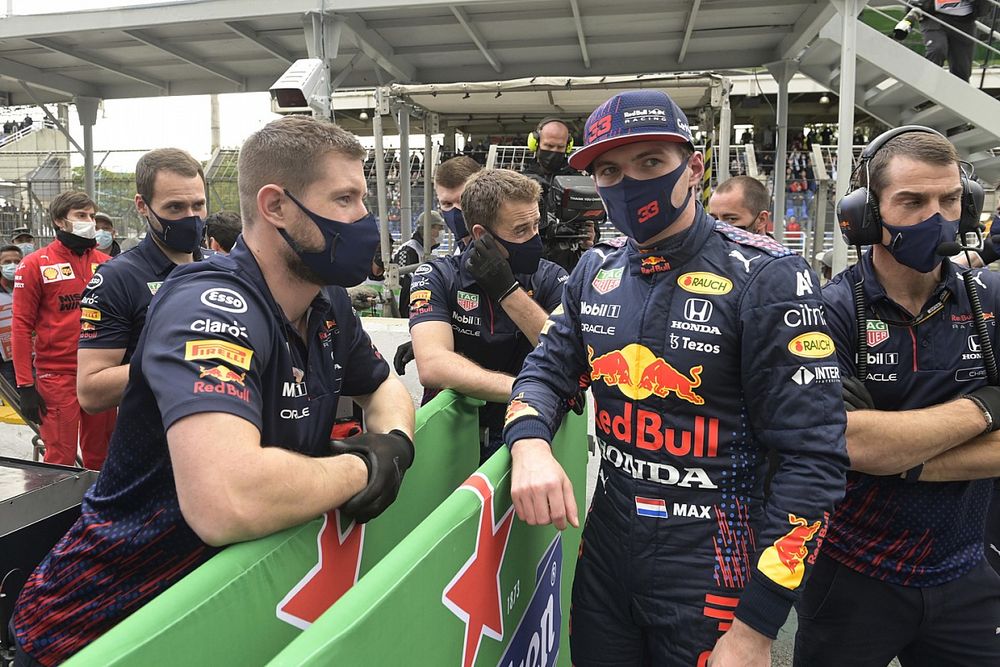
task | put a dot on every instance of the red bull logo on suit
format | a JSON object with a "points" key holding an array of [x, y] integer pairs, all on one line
{"points": [[638, 373]]}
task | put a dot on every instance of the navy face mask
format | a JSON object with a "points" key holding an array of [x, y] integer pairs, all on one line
{"points": [[642, 209], [346, 257], [182, 235], [523, 257], [456, 223], [916, 246]]}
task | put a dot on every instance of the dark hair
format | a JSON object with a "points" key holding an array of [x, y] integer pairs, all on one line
{"points": [[224, 227], [455, 172], [163, 159], [755, 195], [69, 201], [11, 248], [919, 146], [289, 152]]}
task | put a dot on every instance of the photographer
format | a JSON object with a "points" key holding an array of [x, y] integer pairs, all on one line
{"points": [[564, 240]]}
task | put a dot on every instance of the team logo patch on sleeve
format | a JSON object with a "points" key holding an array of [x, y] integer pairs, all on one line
{"points": [[812, 345], [783, 562], [90, 314], [518, 409], [218, 349]]}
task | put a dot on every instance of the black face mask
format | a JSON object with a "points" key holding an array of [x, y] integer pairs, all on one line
{"points": [[551, 161], [77, 244]]}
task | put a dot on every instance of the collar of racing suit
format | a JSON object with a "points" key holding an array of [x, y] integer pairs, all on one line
{"points": [[673, 251]]}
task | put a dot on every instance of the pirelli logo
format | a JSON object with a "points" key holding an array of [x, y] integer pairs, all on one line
{"points": [[90, 314], [218, 349]]}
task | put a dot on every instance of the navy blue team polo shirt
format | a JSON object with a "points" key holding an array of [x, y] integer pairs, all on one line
{"points": [[216, 342], [927, 533], [443, 290], [114, 303]]}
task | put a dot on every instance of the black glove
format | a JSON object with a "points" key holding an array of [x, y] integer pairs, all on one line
{"points": [[856, 396], [32, 404], [988, 400], [490, 269], [388, 456], [404, 355], [991, 249]]}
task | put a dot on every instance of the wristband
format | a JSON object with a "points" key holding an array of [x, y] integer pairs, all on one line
{"points": [[402, 434], [510, 290], [982, 407]]}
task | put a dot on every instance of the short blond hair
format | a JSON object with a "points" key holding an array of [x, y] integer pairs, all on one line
{"points": [[488, 189], [289, 152]]}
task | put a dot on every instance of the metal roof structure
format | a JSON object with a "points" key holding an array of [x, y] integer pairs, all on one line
{"points": [[223, 46]]}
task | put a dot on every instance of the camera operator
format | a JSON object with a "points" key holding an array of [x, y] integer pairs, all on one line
{"points": [[564, 240]]}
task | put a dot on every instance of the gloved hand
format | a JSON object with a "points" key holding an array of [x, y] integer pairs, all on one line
{"points": [[988, 398], [991, 249], [404, 355], [388, 456], [362, 297], [856, 396], [32, 404], [490, 269]]}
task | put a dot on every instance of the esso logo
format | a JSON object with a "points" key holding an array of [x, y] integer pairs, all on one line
{"points": [[225, 299]]}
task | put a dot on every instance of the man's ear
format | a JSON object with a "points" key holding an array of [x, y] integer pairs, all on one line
{"points": [[478, 231], [697, 166], [274, 206], [140, 205]]}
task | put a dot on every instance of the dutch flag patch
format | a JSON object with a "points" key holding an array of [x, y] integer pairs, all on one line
{"points": [[651, 507]]}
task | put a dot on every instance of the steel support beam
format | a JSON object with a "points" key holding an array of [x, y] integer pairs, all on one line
{"points": [[48, 114], [725, 132], [849, 10], [189, 58], [805, 29], [86, 109], [405, 208], [47, 80], [103, 63], [578, 21], [477, 39], [382, 189], [264, 42], [430, 128], [379, 50], [782, 72], [688, 29]]}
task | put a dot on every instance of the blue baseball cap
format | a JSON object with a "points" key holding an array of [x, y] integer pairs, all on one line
{"points": [[630, 117]]}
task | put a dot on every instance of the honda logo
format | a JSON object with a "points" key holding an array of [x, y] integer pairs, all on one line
{"points": [[698, 310], [974, 345]]}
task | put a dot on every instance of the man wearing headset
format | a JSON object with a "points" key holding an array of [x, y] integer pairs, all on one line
{"points": [[552, 143], [901, 572]]}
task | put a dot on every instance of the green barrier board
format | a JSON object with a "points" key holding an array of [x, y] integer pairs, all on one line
{"points": [[472, 585], [248, 602]]}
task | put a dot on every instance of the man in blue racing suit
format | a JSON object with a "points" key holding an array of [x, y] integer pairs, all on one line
{"points": [[705, 346]]}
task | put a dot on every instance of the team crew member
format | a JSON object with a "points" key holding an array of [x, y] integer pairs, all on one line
{"points": [[221, 230], [412, 252], [170, 195], [692, 333], [475, 316], [904, 550], [742, 201], [105, 236], [10, 257], [224, 431], [449, 183], [47, 287]]}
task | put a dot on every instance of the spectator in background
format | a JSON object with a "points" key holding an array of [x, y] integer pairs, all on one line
{"points": [[221, 230], [942, 44], [47, 313], [105, 237], [10, 257], [23, 239], [742, 201]]}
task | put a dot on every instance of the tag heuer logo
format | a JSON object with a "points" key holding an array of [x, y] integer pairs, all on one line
{"points": [[468, 300], [878, 332], [607, 280]]}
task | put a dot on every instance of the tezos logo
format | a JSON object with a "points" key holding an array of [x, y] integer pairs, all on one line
{"points": [[225, 299]]}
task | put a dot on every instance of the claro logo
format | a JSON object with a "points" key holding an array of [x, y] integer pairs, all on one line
{"points": [[225, 299]]}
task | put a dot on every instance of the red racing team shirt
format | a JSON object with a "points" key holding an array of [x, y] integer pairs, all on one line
{"points": [[47, 289]]}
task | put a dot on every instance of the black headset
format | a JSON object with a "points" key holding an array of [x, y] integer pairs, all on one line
{"points": [[858, 212], [534, 138]]}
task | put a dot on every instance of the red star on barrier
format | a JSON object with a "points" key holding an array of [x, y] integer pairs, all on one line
{"points": [[474, 593], [336, 570]]}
